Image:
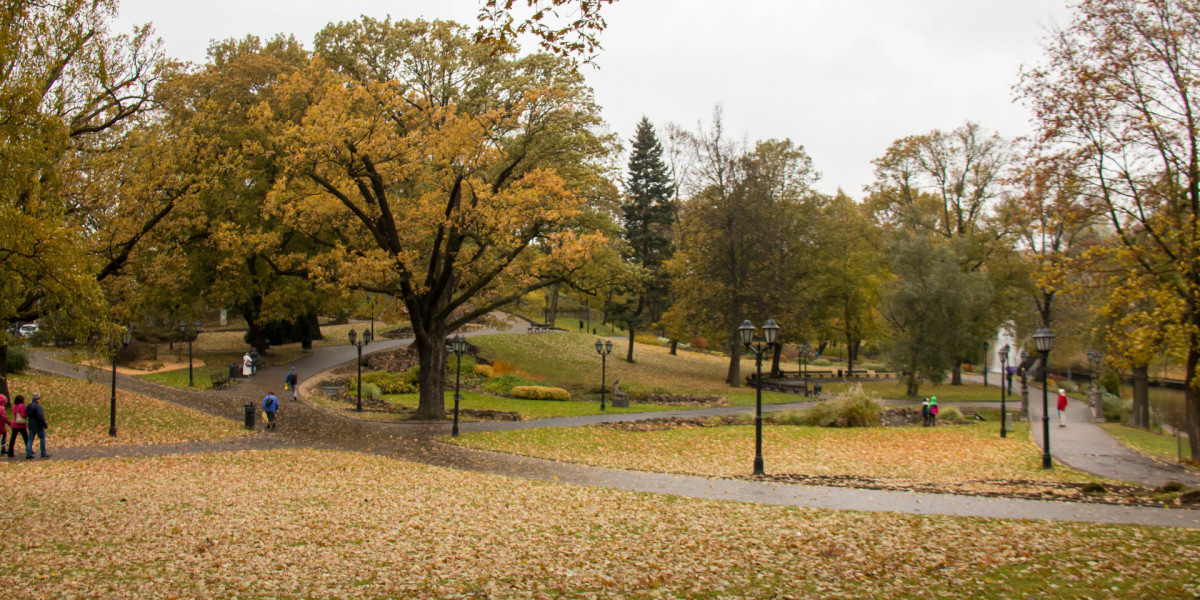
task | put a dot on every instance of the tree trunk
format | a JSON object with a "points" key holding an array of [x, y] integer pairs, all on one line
{"points": [[956, 373], [1191, 394], [258, 336], [629, 354], [674, 346], [4, 368], [776, 354], [913, 388], [734, 377], [1141, 396], [431, 354], [851, 354], [552, 318]]}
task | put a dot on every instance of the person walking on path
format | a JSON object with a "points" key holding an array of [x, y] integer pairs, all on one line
{"points": [[270, 406], [247, 365], [289, 383], [37, 426], [925, 413], [1062, 408], [19, 421], [5, 409], [933, 411]]}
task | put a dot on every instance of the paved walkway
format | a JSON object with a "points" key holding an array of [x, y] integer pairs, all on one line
{"points": [[303, 425]]}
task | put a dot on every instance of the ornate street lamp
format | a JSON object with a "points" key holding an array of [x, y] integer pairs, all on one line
{"points": [[603, 348], [119, 338], [746, 334], [1044, 339], [1024, 384], [366, 339], [195, 334], [1094, 359], [1003, 406], [458, 345]]}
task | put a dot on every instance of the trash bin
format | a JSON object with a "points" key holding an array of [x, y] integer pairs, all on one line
{"points": [[234, 371], [249, 408]]}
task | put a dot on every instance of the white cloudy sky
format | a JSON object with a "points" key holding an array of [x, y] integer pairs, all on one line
{"points": [[843, 78]]}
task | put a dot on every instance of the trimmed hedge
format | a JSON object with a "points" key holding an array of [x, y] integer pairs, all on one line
{"points": [[16, 361], [484, 371], [538, 392]]}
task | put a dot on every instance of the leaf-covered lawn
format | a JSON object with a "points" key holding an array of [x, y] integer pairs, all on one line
{"points": [[78, 412], [952, 454], [308, 524], [527, 409]]}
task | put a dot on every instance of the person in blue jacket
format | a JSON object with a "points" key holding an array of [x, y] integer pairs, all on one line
{"points": [[270, 406]]}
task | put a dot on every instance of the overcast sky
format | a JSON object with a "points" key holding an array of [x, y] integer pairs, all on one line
{"points": [[844, 79]]}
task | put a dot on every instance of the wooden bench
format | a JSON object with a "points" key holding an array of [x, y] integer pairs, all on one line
{"points": [[540, 327], [219, 380]]}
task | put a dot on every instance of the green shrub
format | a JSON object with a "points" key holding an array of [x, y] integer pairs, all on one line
{"points": [[820, 362], [372, 391], [468, 364], [647, 339], [950, 414], [538, 392], [503, 384], [17, 361], [822, 414], [1116, 410], [388, 382], [1110, 381], [745, 418]]}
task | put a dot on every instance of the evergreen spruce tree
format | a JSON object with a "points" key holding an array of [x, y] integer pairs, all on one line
{"points": [[648, 215]]}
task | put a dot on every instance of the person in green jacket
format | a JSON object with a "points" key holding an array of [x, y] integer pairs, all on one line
{"points": [[933, 411]]}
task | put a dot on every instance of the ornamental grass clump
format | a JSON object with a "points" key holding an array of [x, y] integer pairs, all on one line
{"points": [[855, 408], [539, 392]]}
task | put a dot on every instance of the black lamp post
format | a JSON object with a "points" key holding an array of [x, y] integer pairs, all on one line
{"points": [[746, 333], [1024, 384], [603, 348], [1044, 339], [195, 334], [120, 338], [371, 301], [458, 345], [1003, 406], [804, 350], [366, 339], [1094, 359]]}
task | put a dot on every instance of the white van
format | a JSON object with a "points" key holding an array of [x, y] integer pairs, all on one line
{"points": [[27, 330]]}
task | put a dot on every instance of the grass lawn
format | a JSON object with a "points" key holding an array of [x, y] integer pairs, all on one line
{"points": [[528, 409], [569, 360], [1150, 443], [943, 455], [895, 390], [218, 362], [78, 413], [310, 523]]}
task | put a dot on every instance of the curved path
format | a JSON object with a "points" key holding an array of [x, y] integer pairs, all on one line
{"points": [[303, 425]]}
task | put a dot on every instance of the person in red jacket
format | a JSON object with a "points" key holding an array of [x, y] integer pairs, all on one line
{"points": [[19, 421], [1062, 408]]}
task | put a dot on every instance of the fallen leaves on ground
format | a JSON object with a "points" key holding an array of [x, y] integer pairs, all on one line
{"points": [[310, 523], [949, 456], [78, 413]]}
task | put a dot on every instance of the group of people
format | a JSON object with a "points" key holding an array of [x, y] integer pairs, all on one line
{"points": [[250, 363], [929, 412], [26, 420]]}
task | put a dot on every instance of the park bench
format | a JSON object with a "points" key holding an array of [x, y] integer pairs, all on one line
{"points": [[219, 380], [540, 327]]}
